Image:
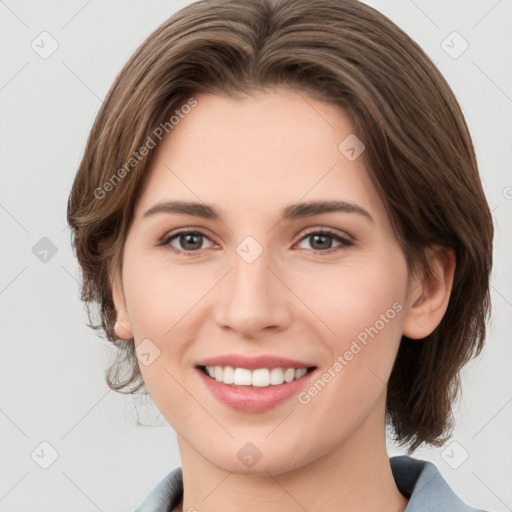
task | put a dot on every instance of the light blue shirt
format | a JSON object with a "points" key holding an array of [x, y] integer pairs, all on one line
{"points": [[418, 480]]}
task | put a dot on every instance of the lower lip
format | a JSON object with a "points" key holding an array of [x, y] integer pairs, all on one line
{"points": [[254, 399]]}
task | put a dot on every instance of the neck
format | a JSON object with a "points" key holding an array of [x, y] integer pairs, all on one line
{"points": [[354, 476]]}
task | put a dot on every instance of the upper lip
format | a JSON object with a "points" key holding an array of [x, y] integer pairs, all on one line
{"points": [[253, 363]]}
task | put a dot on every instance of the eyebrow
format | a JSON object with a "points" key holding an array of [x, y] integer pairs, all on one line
{"points": [[296, 211]]}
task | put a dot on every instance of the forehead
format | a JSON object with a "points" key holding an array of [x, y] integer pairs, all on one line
{"points": [[272, 148]]}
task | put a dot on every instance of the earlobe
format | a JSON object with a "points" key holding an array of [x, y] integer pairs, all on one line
{"points": [[122, 328], [430, 295]]}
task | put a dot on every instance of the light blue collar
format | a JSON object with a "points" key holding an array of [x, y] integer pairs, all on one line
{"points": [[418, 480]]}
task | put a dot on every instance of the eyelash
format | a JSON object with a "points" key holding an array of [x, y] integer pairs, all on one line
{"points": [[344, 242]]}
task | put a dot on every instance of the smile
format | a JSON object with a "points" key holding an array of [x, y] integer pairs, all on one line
{"points": [[254, 391], [260, 377]]}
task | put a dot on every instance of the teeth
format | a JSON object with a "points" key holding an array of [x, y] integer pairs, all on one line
{"points": [[289, 375], [262, 377], [276, 376], [228, 375], [241, 377]]}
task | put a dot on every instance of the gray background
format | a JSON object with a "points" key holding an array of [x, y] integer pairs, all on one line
{"points": [[52, 366]]}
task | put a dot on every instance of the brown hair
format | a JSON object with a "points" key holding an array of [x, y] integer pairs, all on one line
{"points": [[418, 152]]}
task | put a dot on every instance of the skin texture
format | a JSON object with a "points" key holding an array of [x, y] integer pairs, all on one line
{"points": [[250, 158]]}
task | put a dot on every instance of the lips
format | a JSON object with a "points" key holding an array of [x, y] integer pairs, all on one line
{"points": [[251, 399], [254, 363], [264, 394]]}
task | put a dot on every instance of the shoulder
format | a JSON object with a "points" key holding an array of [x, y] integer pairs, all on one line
{"points": [[166, 495], [423, 484], [418, 480]]}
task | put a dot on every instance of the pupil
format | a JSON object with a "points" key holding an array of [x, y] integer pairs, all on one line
{"points": [[322, 238], [190, 239]]}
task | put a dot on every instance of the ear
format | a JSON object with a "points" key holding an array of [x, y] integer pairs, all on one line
{"points": [[429, 296], [123, 326]]}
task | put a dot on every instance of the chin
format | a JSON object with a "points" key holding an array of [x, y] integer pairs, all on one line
{"points": [[257, 458]]}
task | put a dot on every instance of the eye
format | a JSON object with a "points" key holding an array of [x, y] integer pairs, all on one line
{"points": [[186, 241], [322, 240]]}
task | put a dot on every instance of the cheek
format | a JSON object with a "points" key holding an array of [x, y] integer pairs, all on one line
{"points": [[367, 323], [159, 295], [163, 302], [160, 301], [363, 307], [353, 297]]}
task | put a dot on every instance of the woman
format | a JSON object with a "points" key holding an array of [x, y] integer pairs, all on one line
{"points": [[276, 214]]}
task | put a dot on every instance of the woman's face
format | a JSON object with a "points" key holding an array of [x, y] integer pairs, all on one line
{"points": [[268, 276]]}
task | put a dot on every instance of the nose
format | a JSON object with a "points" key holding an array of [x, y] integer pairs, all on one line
{"points": [[253, 300]]}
